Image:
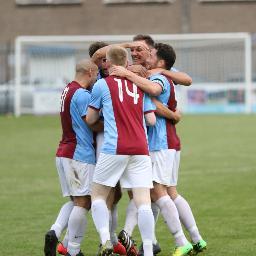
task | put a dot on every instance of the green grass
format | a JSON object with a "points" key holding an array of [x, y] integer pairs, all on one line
{"points": [[217, 177]]}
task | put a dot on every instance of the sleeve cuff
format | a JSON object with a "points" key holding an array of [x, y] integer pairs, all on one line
{"points": [[97, 109]]}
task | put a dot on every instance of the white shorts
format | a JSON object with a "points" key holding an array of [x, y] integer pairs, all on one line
{"points": [[75, 177], [133, 171], [165, 166], [99, 143]]}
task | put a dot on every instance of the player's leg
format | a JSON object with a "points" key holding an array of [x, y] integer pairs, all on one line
{"points": [[112, 200], [131, 220], [145, 218], [53, 235], [138, 177], [77, 224], [131, 215], [100, 215], [79, 177], [108, 171], [163, 161], [169, 213], [156, 245], [184, 210]]}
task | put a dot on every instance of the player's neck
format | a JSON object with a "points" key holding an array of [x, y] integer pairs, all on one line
{"points": [[83, 83]]}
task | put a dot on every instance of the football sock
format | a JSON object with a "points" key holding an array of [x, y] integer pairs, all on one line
{"points": [[131, 217], [146, 227], [76, 228], [171, 217], [62, 219], [65, 240], [187, 218], [155, 210], [113, 216], [100, 217]]}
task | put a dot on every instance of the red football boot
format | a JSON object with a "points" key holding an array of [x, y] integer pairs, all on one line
{"points": [[61, 249], [119, 249]]}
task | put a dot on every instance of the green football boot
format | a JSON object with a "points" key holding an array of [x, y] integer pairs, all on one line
{"points": [[183, 250], [199, 247]]}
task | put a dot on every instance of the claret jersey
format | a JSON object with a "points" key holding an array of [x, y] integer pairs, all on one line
{"points": [[77, 137], [123, 106]]}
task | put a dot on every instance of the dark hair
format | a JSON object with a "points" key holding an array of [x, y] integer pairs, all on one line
{"points": [[148, 39], [165, 52], [95, 47]]}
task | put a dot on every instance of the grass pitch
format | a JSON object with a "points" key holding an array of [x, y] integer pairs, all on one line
{"points": [[217, 177]]}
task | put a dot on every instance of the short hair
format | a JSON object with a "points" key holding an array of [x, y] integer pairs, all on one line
{"points": [[147, 38], [84, 66], [117, 55], [165, 52], [94, 47]]}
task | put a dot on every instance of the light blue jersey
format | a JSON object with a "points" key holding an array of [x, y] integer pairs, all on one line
{"points": [[157, 134], [84, 150]]}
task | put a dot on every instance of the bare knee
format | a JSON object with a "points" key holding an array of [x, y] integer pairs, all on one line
{"points": [[141, 196], [172, 192], [158, 191], [100, 191], [83, 201]]}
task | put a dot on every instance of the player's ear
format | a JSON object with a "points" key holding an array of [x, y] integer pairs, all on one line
{"points": [[127, 64], [160, 63]]}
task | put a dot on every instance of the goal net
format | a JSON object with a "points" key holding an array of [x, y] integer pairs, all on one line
{"points": [[219, 64]]}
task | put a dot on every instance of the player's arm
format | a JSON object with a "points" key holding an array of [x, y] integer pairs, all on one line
{"points": [[101, 53], [81, 102], [151, 88], [149, 109], [98, 126], [92, 117], [176, 76], [150, 118], [165, 112], [93, 111]]}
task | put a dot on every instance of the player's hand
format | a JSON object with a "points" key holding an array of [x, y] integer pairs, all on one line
{"points": [[118, 71], [155, 71], [138, 70], [177, 116], [140, 45]]}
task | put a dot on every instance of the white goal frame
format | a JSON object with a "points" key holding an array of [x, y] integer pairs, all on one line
{"points": [[119, 38]]}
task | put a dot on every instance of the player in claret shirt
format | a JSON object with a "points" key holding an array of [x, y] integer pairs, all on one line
{"points": [[75, 160], [124, 154], [166, 172]]}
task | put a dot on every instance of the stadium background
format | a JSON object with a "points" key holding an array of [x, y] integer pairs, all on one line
{"points": [[218, 164]]}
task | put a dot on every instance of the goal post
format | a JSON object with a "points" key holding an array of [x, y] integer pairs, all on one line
{"points": [[219, 64]]}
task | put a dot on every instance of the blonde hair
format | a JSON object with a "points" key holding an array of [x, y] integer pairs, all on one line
{"points": [[84, 66], [117, 55]]}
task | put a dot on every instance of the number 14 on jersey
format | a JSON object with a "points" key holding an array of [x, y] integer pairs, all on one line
{"points": [[134, 94]]}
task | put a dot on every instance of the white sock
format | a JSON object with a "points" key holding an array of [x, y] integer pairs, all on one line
{"points": [[65, 240], [76, 228], [187, 218], [171, 217], [155, 210], [131, 217], [62, 219], [100, 217], [113, 224], [147, 248], [146, 227]]}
